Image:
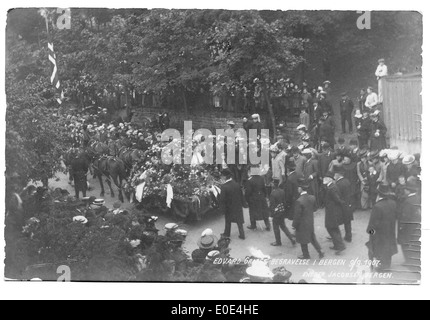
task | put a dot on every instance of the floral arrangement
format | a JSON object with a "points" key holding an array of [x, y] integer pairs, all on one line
{"points": [[187, 181]]}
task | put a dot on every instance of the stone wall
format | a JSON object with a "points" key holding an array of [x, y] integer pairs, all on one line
{"points": [[206, 120]]}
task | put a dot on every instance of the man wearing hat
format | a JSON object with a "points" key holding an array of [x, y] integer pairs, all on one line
{"points": [[395, 169], [363, 176], [381, 73], [256, 195], [328, 129], [378, 140], [409, 233], [298, 159], [346, 109], [310, 173], [325, 104], [231, 125], [411, 167], [279, 212], [303, 223], [231, 204], [334, 213], [291, 187], [364, 128], [344, 187], [382, 243]]}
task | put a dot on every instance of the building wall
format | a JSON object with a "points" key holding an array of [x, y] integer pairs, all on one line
{"points": [[402, 111]]}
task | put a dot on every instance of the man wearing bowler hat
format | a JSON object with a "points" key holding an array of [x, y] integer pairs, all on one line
{"points": [[346, 109], [382, 243], [304, 221], [231, 204], [344, 187], [334, 213], [409, 233]]}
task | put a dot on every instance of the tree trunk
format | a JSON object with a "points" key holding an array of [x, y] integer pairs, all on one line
{"points": [[184, 99], [271, 113]]}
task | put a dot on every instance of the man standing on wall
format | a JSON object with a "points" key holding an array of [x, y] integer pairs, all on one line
{"points": [[381, 72]]}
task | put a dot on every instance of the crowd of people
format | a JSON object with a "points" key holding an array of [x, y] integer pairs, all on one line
{"points": [[317, 172]]}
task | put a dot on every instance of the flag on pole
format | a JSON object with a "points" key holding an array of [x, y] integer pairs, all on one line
{"points": [[55, 81]]}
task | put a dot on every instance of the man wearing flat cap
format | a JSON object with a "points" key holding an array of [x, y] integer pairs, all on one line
{"points": [[231, 204], [346, 109], [382, 243], [409, 233]]}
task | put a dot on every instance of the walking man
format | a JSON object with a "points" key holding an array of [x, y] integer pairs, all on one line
{"points": [[304, 221], [279, 213], [334, 213], [230, 204], [382, 243], [344, 187]]}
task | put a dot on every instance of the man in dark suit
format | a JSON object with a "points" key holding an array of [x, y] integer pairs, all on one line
{"points": [[346, 108], [291, 188], [344, 187], [279, 212], [230, 204], [328, 129], [409, 234], [382, 243], [334, 213], [304, 221]]}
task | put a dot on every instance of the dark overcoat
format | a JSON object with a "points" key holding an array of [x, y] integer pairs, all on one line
{"points": [[333, 207], [382, 230], [230, 202], [291, 188], [304, 218], [378, 143], [256, 196], [345, 194]]}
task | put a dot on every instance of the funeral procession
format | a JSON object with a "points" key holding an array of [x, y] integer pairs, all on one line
{"points": [[213, 146]]}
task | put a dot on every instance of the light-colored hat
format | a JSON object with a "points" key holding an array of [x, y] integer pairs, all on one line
{"points": [[301, 127], [181, 232], [307, 151], [409, 159], [212, 255], [358, 114], [231, 123], [80, 219], [260, 270], [327, 82], [171, 227], [207, 232], [394, 155]]}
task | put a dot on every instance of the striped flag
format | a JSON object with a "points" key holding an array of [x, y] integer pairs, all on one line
{"points": [[55, 81]]}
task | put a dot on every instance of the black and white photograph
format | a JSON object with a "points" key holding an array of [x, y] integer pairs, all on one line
{"points": [[210, 146]]}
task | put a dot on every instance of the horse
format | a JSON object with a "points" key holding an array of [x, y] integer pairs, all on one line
{"points": [[114, 170], [130, 156]]}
